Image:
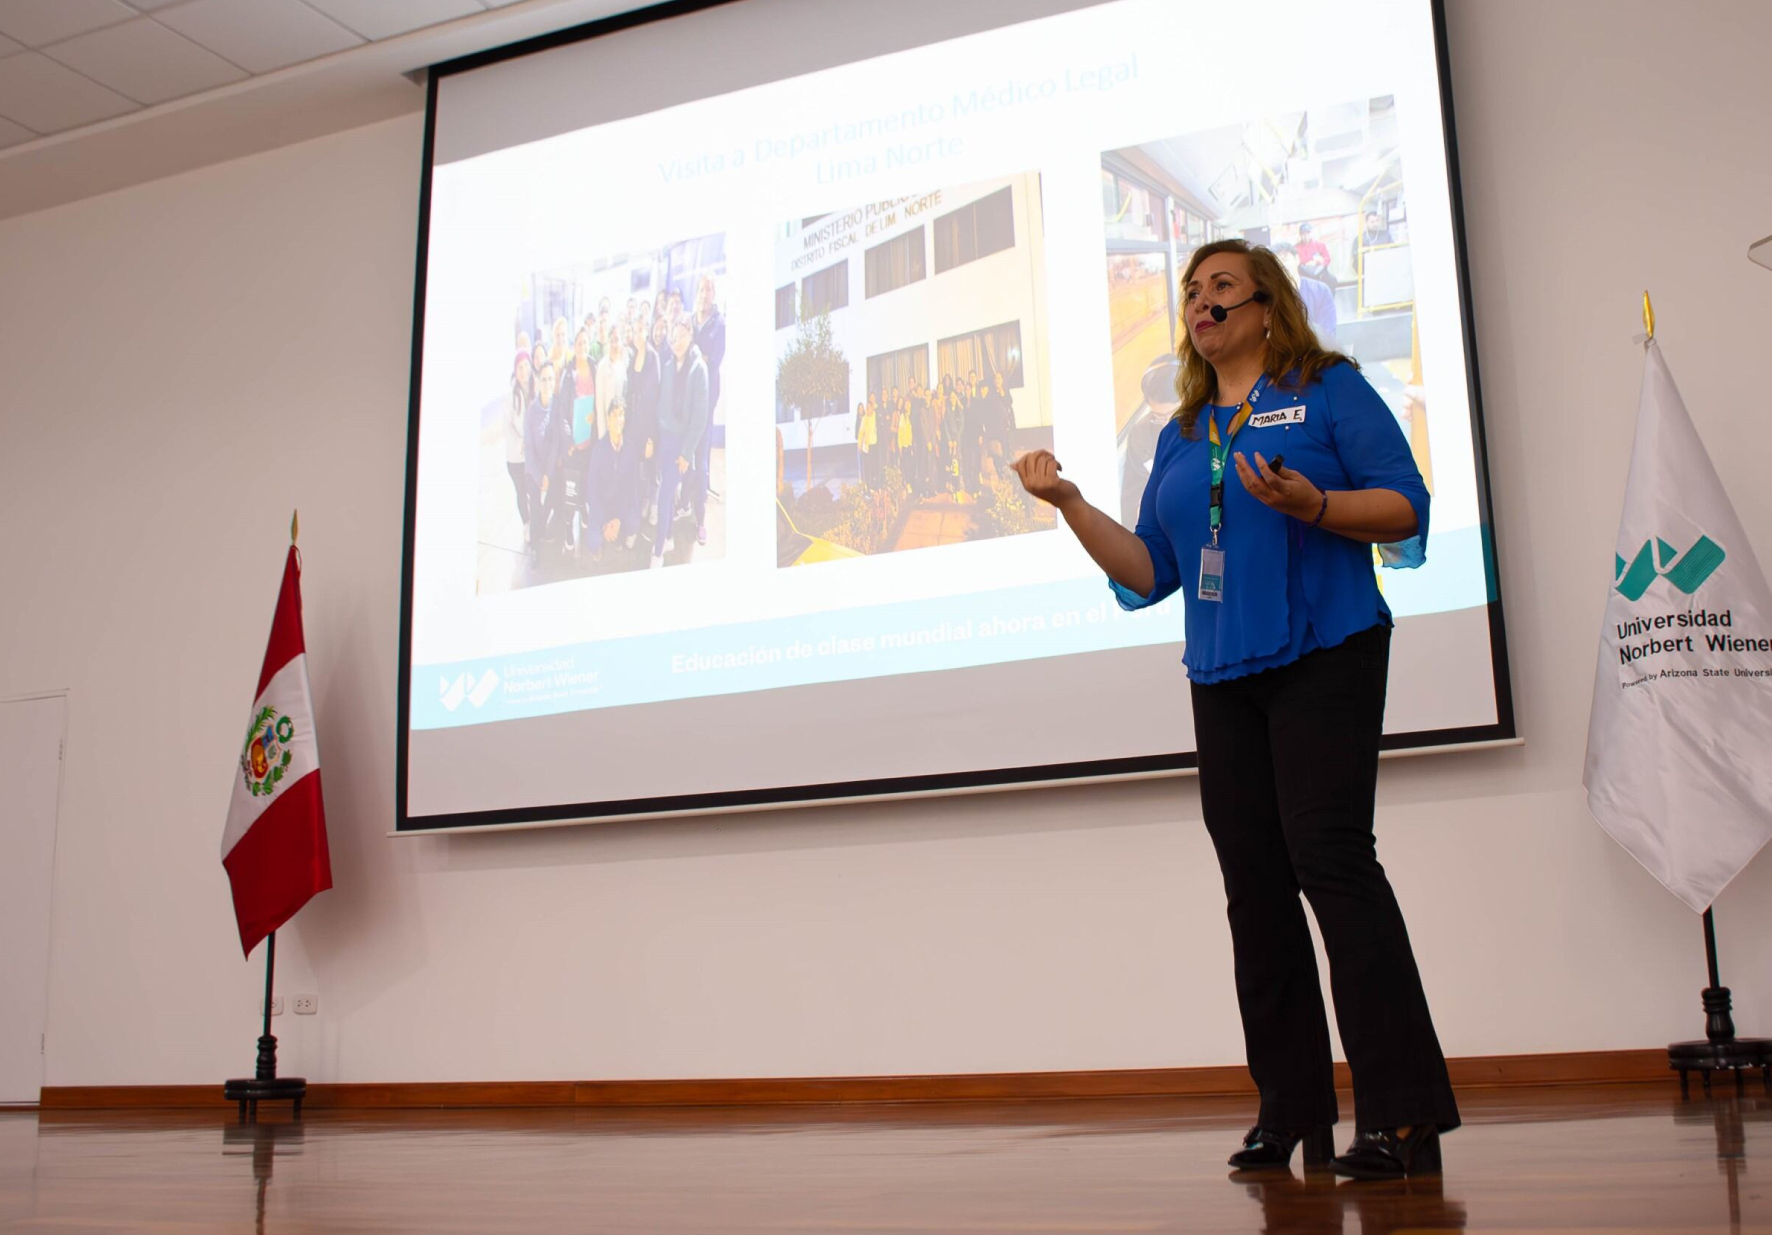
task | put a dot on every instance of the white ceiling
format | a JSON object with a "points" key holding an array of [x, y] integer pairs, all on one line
{"points": [[96, 95], [65, 64]]}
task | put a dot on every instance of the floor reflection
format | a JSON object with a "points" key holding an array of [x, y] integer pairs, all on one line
{"points": [[1728, 1117], [263, 1143], [1323, 1203], [1587, 1159]]}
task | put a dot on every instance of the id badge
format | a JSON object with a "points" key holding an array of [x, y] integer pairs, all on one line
{"points": [[1211, 573]]}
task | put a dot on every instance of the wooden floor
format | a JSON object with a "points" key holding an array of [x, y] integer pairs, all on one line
{"points": [[1602, 1158]]}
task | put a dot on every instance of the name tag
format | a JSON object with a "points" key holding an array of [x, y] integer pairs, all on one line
{"points": [[1211, 574], [1280, 416]]}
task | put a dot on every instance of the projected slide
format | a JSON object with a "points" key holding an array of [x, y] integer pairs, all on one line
{"points": [[718, 396]]}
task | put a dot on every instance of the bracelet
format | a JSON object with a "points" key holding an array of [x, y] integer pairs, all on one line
{"points": [[1321, 510]]}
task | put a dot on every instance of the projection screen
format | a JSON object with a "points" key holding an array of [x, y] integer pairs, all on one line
{"points": [[730, 318]]}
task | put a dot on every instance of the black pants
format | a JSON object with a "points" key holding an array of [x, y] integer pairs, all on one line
{"points": [[1288, 771]]}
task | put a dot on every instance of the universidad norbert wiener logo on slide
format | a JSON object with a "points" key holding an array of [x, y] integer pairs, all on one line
{"points": [[451, 693]]}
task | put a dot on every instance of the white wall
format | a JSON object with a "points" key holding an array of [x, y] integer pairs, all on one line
{"points": [[183, 362]]}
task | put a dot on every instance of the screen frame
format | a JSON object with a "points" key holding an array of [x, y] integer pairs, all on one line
{"points": [[1499, 734]]}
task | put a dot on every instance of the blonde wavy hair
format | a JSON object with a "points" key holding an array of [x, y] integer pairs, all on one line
{"points": [[1294, 356]]}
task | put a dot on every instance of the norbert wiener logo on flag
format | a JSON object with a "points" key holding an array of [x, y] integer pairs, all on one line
{"points": [[1686, 571]]}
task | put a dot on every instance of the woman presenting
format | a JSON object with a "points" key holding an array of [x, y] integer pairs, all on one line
{"points": [[1288, 642]]}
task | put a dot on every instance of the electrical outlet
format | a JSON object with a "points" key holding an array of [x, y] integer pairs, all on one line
{"points": [[306, 1005], [276, 1006]]}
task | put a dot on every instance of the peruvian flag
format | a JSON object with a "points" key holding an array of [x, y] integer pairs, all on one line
{"points": [[274, 847]]}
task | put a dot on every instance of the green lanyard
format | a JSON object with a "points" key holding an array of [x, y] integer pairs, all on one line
{"points": [[1220, 450]]}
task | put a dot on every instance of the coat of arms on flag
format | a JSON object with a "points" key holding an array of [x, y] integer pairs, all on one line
{"points": [[267, 757]]}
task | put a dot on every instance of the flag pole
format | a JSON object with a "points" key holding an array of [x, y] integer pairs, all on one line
{"points": [[1719, 1050], [267, 1042], [1710, 956], [265, 1084]]}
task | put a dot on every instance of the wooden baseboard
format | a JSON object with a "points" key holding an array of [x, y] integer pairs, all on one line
{"points": [[1473, 1072]]}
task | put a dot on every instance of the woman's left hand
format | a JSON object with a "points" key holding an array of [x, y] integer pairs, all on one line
{"points": [[1286, 491]]}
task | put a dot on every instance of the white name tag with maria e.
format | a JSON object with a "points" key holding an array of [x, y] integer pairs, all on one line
{"points": [[1279, 416]]}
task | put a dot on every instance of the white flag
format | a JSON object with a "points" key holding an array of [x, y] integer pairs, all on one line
{"points": [[1677, 743]]}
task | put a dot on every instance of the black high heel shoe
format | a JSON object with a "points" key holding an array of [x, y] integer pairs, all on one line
{"points": [[1386, 1155], [1271, 1150]]}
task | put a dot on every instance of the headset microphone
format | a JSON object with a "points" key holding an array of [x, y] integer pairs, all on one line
{"points": [[1220, 312]]}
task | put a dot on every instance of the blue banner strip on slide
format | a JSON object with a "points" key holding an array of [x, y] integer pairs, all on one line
{"points": [[1024, 623]]}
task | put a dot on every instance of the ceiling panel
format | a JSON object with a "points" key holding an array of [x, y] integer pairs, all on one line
{"points": [[36, 22], [146, 61], [383, 19], [7, 46], [47, 97], [258, 35], [13, 134], [104, 141]]}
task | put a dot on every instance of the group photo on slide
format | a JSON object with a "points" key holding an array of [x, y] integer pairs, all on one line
{"points": [[911, 369], [607, 453], [1323, 189]]}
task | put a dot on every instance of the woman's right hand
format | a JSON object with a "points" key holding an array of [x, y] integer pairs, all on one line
{"points": [[1038, 471]]}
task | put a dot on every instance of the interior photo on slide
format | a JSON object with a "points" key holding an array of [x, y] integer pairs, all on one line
{"points": [[613, 426], [911, 371], [1323, 188]]}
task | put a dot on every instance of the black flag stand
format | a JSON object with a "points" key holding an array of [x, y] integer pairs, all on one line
{"points": [[266, 1086], [1719, 1050]]}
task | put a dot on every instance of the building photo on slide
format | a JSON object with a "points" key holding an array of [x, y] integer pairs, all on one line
{"points": [[1323, 188], [911, 370], [607, 451]]}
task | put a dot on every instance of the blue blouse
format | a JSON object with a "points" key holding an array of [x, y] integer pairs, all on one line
{"points": [[1288, 588]]}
